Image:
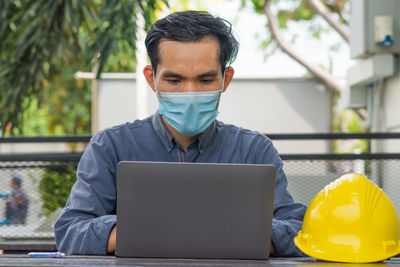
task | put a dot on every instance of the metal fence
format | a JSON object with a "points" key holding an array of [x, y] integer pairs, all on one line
{"points": [[42, 186], [309, 173], [42, 177]]}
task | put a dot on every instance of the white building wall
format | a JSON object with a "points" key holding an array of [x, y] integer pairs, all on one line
{"points": [[116, 102], [277, 105], [290, 105]]}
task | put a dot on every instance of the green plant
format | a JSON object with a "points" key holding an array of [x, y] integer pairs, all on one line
{"points": [[44, 42], [347, 121], [55, 187]]}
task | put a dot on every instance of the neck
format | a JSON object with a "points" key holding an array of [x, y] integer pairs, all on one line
{"points": [[182, 139]]}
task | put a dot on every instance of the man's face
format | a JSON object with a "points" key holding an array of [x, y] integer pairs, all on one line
{"points": [[189, 66]]}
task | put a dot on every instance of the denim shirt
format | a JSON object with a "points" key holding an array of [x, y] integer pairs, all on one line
{"points": [[89, 215]]}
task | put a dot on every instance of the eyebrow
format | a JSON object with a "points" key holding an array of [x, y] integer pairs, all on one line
{"points": [[212, 73], [171, 74]]}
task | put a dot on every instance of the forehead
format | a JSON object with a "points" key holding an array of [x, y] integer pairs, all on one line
{"points": [[189, 56]]}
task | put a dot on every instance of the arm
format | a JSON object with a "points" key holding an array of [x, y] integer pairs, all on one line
{"points": [[288, 215], [288, 218], [85, 223], [272, 249]]}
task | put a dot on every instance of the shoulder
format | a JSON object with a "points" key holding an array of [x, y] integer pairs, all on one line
{"points": [[232, 131], [257, 147], [123, 131]]}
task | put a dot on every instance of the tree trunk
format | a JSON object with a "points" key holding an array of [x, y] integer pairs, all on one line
{"points": [[323, 12], [323, 75]]}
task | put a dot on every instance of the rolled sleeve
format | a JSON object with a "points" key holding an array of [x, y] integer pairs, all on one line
{"points": [[283, 234], [89, 215], [288, 218], [88, 237]]}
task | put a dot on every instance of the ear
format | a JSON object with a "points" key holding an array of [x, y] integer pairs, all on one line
{"points": [[229, 71], [148, 74]]}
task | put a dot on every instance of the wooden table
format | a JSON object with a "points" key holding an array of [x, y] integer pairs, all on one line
{"points": [[108, 261]]}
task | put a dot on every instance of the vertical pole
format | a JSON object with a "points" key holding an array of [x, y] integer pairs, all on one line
{"points": [[377, 115], [141, 61], [95, 96], [377, 125]]}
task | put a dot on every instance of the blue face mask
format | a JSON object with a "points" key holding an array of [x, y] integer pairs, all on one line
{"points": [[190, 113]]}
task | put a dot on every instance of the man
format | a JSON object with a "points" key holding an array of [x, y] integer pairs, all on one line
{"points": [[16, 204], [189, 52]]}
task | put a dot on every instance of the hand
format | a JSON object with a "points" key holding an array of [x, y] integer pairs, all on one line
{"points": [[272, 250], [112, 240]]}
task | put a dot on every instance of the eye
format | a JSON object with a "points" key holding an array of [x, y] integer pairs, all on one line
{"points": [[173, 81], [206, 81]]}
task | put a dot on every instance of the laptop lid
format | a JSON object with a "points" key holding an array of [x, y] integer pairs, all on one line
{"points": [[194, 210]]}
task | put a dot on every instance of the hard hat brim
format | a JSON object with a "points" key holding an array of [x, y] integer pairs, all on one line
{"points": [[306, 246]]}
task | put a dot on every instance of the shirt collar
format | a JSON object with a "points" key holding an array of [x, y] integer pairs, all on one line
{"points": [[161, 130], [203, 140], [206, 137]]}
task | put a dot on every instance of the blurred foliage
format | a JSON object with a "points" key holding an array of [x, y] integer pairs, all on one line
{"points": [[66, 100], [181, 5], [34, 120], [347, 121], [300, 11], [44, 42], [55, 186]]}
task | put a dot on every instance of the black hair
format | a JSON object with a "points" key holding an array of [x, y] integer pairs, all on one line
{"points": [[192, 26], [17, 180]]}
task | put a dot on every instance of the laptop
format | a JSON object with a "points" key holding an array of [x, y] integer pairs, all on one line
{"points": [[194, 210]]}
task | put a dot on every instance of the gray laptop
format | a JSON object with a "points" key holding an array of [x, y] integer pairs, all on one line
{"points": [[194, 210]]}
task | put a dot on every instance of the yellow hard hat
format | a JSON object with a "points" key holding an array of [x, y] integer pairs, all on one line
{"points": [[350, 220]]}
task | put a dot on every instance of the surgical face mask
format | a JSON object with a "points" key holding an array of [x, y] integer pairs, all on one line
{"points": [[190, 113]]}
